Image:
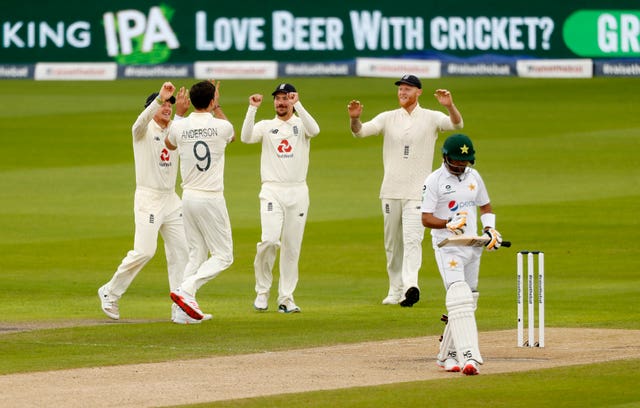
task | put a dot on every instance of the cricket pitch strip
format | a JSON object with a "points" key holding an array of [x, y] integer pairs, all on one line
{"points": [[320, 368]]}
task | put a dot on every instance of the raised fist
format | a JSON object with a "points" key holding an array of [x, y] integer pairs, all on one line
{"points": [[255, 100]]}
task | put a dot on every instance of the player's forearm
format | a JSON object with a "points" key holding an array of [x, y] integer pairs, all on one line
{"points": [[455, 116], [356, 125], [246, 134], [310, 125], [218, 113], [487, 217], [433, 222], [139, 128], [168, 143]]}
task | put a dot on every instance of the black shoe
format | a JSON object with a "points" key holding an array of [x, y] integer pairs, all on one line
{"points": [[411, 297]]}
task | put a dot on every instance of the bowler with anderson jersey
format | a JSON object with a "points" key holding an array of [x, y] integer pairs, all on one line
{"points": [[201, 140], [451, 198]]}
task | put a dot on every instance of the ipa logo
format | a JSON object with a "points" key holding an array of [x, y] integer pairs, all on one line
{"points": [[135, 38]]}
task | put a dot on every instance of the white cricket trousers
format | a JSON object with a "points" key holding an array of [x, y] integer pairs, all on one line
{"points": [[283, 215], [155, 212], [208, 231], [403, 235], [458, 264]]}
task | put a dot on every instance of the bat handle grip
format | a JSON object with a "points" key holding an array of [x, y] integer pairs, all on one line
{"points": [[506, 244]]}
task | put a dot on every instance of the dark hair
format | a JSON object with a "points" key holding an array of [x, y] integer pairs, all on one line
{"points": [[201, 94]]}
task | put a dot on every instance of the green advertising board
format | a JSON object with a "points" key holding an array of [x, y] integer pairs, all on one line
{"points": [[603, 33], [170, 31]]}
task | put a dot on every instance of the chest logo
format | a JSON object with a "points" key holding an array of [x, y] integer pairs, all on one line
{"points": [[284, 146], [165, 156]]}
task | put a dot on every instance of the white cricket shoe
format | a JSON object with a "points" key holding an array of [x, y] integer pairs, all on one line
{"points": [[288, 307], [109, 307], [471, 367], [180, 317], [450, 365], [187, 303], [262, 302], [179, 313], [391, 300]]}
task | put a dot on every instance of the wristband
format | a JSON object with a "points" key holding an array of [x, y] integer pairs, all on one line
{"points": [[488, 220]]}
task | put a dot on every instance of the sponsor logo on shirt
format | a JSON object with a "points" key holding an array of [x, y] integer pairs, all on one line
{"points": [[285, 149], [455, 206], [448, 189], [165, 158], [284, 146]]}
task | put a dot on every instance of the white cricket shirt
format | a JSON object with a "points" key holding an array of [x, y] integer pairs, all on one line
{"points": [[407, 152], [444, 195], [285, 144], [156, 166], [201, 140]]}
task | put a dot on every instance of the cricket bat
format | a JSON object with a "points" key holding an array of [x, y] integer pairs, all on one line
{"points": [[468, 240]]}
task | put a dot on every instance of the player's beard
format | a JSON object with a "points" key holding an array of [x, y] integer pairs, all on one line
{"points": [[282, 111], [453, 169]]}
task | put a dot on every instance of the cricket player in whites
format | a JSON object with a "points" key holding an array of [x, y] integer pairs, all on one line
{"points": [[451, 198], [157, 207], [201, 140], [284, 195], [410, 134]]}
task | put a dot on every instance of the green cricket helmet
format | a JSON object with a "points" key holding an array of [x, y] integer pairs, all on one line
{"points": [[459, 147]]}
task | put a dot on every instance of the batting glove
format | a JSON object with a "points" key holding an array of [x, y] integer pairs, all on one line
{"points": [[496, 240], [457, 223]]}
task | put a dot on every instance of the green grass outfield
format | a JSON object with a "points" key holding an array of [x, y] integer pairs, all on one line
{"points": [[560, 159]]}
